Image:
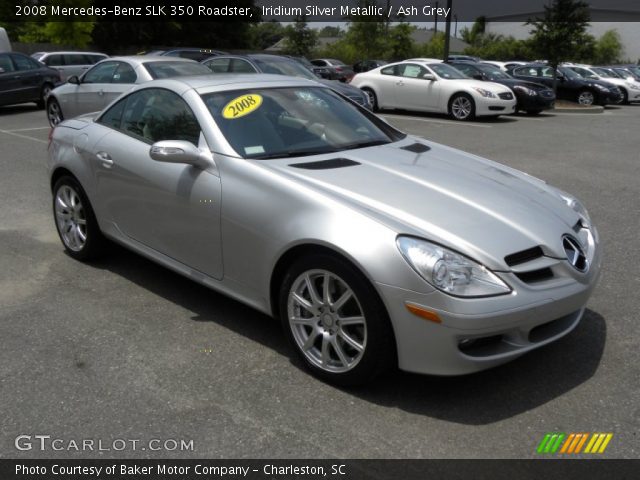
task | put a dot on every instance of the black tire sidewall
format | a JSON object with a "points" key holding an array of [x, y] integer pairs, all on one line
{"points": [[471, 116], [373, 98], [380, 354], [94, 245]]}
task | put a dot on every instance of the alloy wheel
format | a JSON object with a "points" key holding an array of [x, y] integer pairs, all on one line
{"points": [[54, 113], [327, 321], [70, 218], [586, 98], [461, 107]]}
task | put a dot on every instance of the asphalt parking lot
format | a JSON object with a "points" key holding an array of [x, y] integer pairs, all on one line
{"points": [[124, 349]]}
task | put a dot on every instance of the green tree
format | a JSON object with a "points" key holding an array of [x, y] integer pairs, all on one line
{"points": [[434, 48], [559, 32], [265, 34], [299, 38], [367, 33], [608, 48], [472, 35], [330, 31], [400, 44]]}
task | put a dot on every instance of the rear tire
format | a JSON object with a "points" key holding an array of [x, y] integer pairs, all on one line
{"points": [[54, 112], [75, 221], [335, 321], [44, 93], [372, 98], [462, 107]]}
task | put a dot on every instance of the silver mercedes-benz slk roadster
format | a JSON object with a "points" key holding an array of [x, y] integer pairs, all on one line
{"points": [[375, 248]]}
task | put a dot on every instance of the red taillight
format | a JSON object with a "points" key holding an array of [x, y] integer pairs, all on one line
{"points": [[338, 69]]}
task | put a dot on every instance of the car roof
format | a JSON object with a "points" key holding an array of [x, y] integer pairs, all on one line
{"points": [[140, 59], [230, 81], [70, 52]]}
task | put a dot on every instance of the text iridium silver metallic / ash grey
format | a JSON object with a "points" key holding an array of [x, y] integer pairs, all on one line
{"points": [[374, 248]]}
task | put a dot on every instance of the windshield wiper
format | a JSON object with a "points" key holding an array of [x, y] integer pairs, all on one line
{"points": [[371, 143]]}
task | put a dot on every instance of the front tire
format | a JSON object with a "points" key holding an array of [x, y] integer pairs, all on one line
{"points": [[625, 97], [335, 321], [586, 97], [462, 107], [75, 221]]}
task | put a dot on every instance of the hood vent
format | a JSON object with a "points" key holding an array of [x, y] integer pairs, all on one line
{"points": [[326, 164], [416, 148], [524, 256]]}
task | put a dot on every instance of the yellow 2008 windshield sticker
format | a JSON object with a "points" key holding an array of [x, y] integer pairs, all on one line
{"points": [[242, 105]]}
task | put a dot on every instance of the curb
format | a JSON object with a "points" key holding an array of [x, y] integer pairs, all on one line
{"points": [[592, 109]]}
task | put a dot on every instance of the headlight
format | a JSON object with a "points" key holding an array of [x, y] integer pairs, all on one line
{"points": [[526, 90], [485, 93], [633, 86], [602, 88], [449, 271], [575, 204]]}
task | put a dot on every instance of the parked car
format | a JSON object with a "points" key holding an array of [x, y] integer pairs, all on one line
{"points": [[24, 80], [570, 86], [69, 63], [322, 72], [5, 43], [337, 69], [375, 249], [462, 58], [504, 66], [630, 89], [627, 71], [279, 65], [108, 79], [196, 54], [434, 87], [366, 65], [531, 97]]}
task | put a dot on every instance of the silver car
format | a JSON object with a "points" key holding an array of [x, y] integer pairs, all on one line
{"points": [[108, 79], [375, 248], [69, 63]]}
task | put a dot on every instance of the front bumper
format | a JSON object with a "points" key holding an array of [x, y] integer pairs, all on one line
{"points": [[495, 106], [535, 102], [476, 334]]}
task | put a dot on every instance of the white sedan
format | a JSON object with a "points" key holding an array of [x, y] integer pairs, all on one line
{"points": [[434, 87]]}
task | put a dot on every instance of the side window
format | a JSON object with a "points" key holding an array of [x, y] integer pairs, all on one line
{"points": [[6, 64], [468, 70], [241, 66], [54, 61], [24, 63], [389, 70], [156, 114], [124, 74], [547, 72], [411, 70], [219, 65], [75, 59], [113, 116], [101, 73]]}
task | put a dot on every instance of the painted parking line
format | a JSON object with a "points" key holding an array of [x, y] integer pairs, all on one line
{"points": [[431, 120], [7, 132], [13, 130]]}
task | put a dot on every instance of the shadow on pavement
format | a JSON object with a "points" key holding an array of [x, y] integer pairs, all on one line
{"points": [[477, 399]]}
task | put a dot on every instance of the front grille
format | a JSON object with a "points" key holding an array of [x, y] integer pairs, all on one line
{"points": [[524, 256], [506, 95], [546, 93]]}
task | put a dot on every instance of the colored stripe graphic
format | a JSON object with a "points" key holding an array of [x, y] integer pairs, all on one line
{"points": [[573, 443]]}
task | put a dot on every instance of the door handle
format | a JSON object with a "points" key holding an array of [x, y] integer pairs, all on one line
{"points": [[400, 83], [100, 92], [105, 158]]}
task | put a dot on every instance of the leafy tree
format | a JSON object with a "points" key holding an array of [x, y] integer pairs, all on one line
{"points": [[329, 31], [434, 48], [367, 33], [400, 44], [265, 34], [300, 39], [473, 34], [559, 32], [608, 48]]}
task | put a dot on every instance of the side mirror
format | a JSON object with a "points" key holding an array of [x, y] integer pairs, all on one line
{"points": [[74, 79], [178, 151], [429, 76]]}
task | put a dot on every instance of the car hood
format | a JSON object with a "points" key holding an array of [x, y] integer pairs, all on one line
{"points": [[512, 82], [478, 207], [491, 86], [341, 87]]}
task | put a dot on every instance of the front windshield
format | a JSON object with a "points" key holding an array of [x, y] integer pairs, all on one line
{"points": [[281, 66], [603, 72], [494, 73], [160, 69], [447, 72], [293, 121]]}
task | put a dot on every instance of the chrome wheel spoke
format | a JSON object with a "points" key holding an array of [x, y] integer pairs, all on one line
{"points": [[325, 350], [304, 303], [343, 299], [339, 352], [313, 294], [350, 341], [70, 218], [347, 321], [326, 297], [309, 322], [311, 340]]}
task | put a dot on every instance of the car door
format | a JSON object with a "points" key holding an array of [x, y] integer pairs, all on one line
{"points": [[124, 77], [29, 77], [385, 84], [89, 95], [10, 91], [171, 208], [414, 92]]}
